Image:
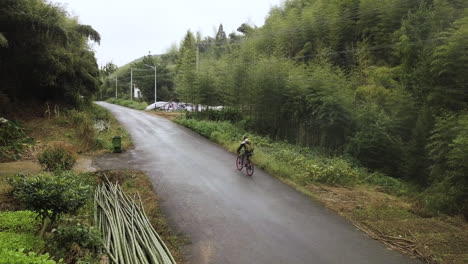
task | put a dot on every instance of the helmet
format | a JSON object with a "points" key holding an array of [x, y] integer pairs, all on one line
{"points": [[245, 136]]}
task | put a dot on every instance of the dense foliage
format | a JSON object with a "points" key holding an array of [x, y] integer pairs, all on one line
{"points": [[381, 81], [44, 53]]}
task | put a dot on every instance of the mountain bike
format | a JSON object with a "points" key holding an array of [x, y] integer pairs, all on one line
{"points": [[243, 160]]}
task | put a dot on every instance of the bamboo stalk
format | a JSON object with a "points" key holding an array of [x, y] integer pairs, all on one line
{"points": [[127, 233]]}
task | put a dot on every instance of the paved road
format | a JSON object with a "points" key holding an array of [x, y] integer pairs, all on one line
{"points": [[231, 217]]}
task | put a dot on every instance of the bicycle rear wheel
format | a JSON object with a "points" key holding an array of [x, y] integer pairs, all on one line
{"points": [[239, 163], [249, 168]]}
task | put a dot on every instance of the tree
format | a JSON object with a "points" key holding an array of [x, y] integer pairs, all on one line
{"points": [[186, 70], [44, 52]]}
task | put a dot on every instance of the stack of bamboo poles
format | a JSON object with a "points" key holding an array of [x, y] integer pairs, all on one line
{"points": [[127, 234]]}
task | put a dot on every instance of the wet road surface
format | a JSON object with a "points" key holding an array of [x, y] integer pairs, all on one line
{"points": [[229, 216]]}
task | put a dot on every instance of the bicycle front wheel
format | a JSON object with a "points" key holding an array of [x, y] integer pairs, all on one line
{"points": [[249, 168], [239, 163]]}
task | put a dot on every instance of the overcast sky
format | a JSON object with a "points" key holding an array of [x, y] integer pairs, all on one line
{"points": [[130, 29]]}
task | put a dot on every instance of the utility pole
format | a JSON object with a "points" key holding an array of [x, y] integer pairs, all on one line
{"points": [[155, 85], [154, 68], [131, 84], [197, 65], [116, 86], [198, 56]]}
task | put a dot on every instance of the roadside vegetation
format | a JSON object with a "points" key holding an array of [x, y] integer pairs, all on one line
{"points": [[48, 126], [128, 103], [57, 216], [48, 216], [379, 82], [391, 210], [85, 130], [371, 95]]}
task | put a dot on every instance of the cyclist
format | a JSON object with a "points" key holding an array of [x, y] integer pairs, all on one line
{"points": [[247, 145]]}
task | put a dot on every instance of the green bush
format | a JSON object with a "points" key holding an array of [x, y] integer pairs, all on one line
{"points": [[51, 195], [56, 158], [387, 183], [13, 241], [19, 257], [444, 197], [18, 221]]}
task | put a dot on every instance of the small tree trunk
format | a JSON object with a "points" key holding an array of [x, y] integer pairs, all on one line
{"points": [[45, 223]]}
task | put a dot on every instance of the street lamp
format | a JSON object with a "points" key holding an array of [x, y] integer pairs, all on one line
{"points": [[154, 68]]}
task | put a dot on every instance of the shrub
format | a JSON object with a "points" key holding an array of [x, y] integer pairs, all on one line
{"points": [[444, 197], [51, 195], [56, 158], [19, 221], [85, 236], [19, 257], [387, 183]]}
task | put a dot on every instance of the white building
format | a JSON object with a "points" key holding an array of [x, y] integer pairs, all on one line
{"points": [[136, 92]]}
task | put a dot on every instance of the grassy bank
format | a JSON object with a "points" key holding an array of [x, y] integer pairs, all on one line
{"points": [[386, 208], [86, 131], [127, 103]]}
